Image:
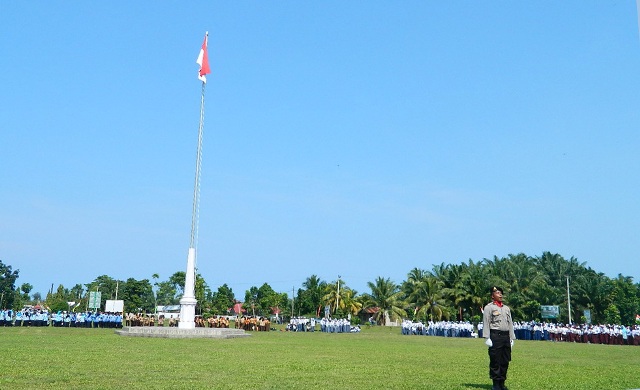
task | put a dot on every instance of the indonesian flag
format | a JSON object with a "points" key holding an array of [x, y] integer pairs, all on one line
{"points": [[203, 60]]}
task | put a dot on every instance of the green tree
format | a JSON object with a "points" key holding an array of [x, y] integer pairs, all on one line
{"points": [[37, 297], [57, 301], [593, 291], [428, 301], [77, 293], [386, 296], [411, 286], [626, 298], [222, 300], [352, 303], [8, 279], [310, 298], [177, 280], [106, 286], [25, 290], [167, 294], [612, 314], [137, 296], [334, 297], [523, 280], [202, 294], [262, 301]]}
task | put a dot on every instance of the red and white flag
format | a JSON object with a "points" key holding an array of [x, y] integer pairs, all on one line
{"points": [[203, 60]]}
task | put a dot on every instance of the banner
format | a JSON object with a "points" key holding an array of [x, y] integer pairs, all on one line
{"points": [[114, 306], [549, 311], [95, 298]]}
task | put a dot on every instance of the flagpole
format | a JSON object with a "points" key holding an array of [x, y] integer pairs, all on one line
{"points": [[188, 301], [196, 188]]}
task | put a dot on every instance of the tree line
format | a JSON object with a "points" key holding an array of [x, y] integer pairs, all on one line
{"points": [[455, 292]]}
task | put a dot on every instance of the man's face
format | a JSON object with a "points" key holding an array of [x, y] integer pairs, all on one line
{"points": [[497, 296]]}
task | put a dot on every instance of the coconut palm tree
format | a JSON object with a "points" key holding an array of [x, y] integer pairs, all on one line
{"points": [[409, 286], [352, 304], [387, 297], [334, 295], [311, 296], [428, 299]]}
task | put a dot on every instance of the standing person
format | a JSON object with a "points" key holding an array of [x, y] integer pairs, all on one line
{"points": [[499, 335]]}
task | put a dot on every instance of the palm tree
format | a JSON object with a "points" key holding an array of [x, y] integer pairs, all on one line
{"points": [[387, 297], [334, 296], [312, 295], [456, 287], [594, 292], [428, 300], [524, 280], [352, 304], [411, 286], [477, 287]]}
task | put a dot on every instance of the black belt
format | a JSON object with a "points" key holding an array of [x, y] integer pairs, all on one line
{"points": [[500, 332]]}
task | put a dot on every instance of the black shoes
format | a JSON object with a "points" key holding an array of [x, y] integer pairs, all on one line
{"points": [[498, 385]]}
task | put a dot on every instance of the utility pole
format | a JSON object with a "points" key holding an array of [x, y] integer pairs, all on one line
{"points": [[568, 300], [338, 295], [292, 299]]}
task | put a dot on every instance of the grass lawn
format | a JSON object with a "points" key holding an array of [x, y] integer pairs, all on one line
{"points": [[376, 358]]}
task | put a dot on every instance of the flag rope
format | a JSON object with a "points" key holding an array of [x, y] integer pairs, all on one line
{"points": [[195, 214]]}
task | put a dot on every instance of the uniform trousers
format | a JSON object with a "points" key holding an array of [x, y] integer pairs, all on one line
{"points": [[499, 355]]}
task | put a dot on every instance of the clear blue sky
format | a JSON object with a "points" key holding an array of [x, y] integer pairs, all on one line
{"points": [[359, 139]]}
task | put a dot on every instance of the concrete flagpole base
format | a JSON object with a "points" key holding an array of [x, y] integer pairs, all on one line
{"points": [[178, 333], [188, 301]]}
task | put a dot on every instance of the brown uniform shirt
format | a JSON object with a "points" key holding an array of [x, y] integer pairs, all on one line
{"points": [[495, 317]]}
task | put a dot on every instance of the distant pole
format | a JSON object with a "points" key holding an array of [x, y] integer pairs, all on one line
{"points": [[568, 300], [292, 299], [337, 296]]}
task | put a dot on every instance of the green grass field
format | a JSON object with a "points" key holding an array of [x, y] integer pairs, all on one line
{"points": [[376, 358]]}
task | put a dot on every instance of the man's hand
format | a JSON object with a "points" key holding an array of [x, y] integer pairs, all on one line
{"points": [[489, 343], [512, 343]]}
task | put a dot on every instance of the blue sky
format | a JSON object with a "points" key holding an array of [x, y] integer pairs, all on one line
{"points": [[359, 139]]}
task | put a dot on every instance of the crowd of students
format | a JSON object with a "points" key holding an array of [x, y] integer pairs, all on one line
{"points": [[543, 331], [438, 328], [578, 333], [327, 325], [42, 317], [337, 325], [253, 323]]}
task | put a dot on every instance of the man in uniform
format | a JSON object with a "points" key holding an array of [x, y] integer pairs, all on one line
{"points": [[499, 337]]}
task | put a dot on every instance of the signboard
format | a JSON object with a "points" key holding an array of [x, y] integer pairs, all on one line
{"points": [[587, 316], [549, 311], [114, 306], [94, 299], [327, 311]]}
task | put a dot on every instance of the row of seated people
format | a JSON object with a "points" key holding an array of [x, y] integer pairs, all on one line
{"points": [[259, 324], [212, 322], [144, 319]]}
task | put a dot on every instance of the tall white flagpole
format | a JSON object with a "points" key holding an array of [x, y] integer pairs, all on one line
{"points": [[189, 301]]}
